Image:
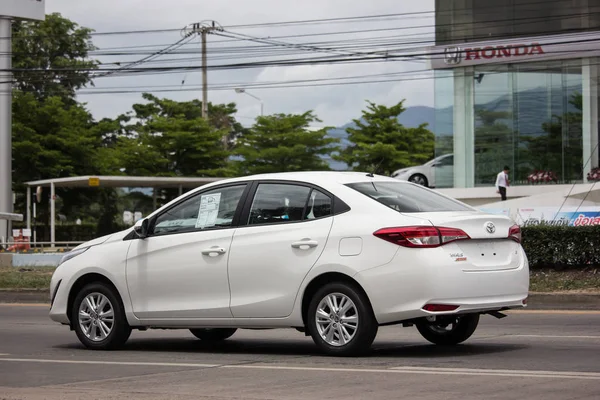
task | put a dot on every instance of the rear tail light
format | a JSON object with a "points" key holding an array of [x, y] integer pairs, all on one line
{"points": [[514, 233], [439, 307], [421, 236]]}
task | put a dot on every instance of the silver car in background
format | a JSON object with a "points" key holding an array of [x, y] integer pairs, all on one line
{"points": [[438, 172]]}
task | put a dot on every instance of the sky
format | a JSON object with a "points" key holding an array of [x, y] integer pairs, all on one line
{"points": [[334, 105]]}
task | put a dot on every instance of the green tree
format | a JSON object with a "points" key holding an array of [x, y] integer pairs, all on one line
{"points": [[284, 143], [53, 55], [221, 117], [170, 138], [381, 144], [53, 135], [53, 139]]}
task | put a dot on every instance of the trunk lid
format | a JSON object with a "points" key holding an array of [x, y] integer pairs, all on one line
{"points": [[489, 248], [475, 224]]}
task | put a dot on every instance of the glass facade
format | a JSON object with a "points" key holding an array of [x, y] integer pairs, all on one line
{"points": [[540, 117], [526, 116]]}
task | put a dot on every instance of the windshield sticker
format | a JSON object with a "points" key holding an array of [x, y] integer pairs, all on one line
{"points": [[209, 209]]}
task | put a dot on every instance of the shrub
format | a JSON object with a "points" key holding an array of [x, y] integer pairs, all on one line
{"points": [[562, 247]]}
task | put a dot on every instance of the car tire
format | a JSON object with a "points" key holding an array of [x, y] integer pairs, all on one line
{"points": [[436, 332], [213, 335], [98, 317], [419, 179], [359, 329]]}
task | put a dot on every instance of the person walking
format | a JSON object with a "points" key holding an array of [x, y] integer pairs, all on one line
{"points": [[502, 182]]}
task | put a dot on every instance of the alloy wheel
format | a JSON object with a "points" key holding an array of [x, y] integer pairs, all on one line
{"points": [[96, 317], [418, 179], [337, 319]]}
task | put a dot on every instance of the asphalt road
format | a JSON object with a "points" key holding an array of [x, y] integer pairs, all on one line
{"points": [[529, 355]]}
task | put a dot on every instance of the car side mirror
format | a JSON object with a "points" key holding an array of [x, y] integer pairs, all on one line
{"points": [[141, 228]]}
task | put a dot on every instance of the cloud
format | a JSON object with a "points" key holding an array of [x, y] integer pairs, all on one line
{"points": [[335, 105]]}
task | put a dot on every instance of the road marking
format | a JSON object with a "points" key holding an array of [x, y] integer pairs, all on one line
{"points": [[435, 371], [141, 364], [557, 336], [393, 370], [24, 304], [499, 371]]}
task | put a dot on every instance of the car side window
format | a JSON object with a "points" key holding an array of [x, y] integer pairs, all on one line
{"points": [[277, 203], [211, 209], [319, 205], [447, 161]]}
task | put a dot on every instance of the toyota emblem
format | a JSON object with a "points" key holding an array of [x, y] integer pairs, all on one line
{"points": [[490, 227]]}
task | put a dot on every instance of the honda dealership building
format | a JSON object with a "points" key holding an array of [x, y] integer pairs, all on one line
{"points": [[516, 83]]}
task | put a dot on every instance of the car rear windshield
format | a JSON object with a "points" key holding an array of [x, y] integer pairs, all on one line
{"points": [[407, 198]]}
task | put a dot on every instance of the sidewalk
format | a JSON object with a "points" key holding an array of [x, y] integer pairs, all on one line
{"points": [[536, 301]]}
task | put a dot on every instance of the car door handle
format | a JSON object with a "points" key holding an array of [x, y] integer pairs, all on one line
{"points": [[214, 251], [305, 244]]}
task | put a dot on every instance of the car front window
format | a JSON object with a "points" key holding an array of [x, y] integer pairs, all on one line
{"points": [[211, 209]]}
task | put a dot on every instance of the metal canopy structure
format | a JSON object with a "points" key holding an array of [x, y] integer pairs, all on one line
{"points": [[109, 181]]}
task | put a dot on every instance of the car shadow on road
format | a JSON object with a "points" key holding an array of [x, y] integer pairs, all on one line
{"points": [[304, 348]]}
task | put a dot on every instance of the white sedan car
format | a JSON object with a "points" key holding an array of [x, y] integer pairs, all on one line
{"points": [[334, 255], [438, 172]]}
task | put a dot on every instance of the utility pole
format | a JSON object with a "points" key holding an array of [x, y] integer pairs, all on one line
{"points": [[203, 33], [10, 10], [6, 196], [203, 29]]}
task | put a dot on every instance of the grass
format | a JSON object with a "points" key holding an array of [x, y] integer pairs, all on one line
{"points": [[545, 281], [25, 277], [582, 281]]}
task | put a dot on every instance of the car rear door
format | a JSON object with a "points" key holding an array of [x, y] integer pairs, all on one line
{"points": [[286, 228]]}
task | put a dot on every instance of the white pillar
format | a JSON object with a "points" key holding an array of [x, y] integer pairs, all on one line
{"points": [[590, 114], [28, 207], [154, 199], [464, 128], [52, 214], [6, 197], [180, 190]]}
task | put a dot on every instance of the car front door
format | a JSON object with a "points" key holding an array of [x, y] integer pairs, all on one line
{"points": [[287, 226], [180, 269]]}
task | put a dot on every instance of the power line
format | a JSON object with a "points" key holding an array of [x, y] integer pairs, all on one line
{"points": [[292, 45], [292, 62], [352, 19], [309, 83]]}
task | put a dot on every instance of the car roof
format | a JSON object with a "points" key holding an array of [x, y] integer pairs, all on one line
{"points": [[315, 177], [325, 179]]}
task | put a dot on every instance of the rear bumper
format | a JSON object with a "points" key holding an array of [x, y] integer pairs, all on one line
{"points": [[399, 290]]}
